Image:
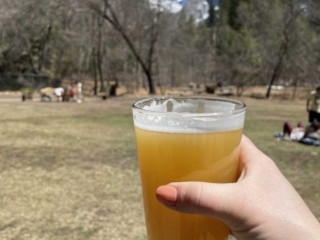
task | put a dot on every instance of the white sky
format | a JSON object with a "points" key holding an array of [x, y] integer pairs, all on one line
{"points": [[168, 5]]}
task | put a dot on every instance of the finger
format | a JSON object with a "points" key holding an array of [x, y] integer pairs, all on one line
{"points": [[215, 200]]}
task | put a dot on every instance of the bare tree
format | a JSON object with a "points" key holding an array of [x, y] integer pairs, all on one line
{"points": [[291, 15], [147, 62]]}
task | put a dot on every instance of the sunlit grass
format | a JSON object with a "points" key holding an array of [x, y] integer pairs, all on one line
{"points": [[70, 171]]}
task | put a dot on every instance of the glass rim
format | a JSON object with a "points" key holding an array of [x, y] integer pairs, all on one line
{"points": [[241, 109]]}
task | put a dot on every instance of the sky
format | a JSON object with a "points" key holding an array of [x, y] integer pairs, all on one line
{"points": [[175, 6]]}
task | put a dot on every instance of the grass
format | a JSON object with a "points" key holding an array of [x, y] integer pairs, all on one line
{"points": [[70, 171]]}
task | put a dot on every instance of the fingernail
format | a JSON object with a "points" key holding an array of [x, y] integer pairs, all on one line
{"points": [[167, 195]]}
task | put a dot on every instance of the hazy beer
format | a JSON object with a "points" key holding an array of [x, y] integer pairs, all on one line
{"points": [[170, 150]]}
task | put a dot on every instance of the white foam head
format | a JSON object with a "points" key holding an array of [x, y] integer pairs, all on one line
{"points": [[189, 115]]}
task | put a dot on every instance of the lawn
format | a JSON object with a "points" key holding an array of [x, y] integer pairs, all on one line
{"points": [[70, 171]]}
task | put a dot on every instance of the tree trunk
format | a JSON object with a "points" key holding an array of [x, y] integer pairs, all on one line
{"points": [[150, 82], [282, 53], [100, 72], [276, 70], [99, 55], [295, 85], [43, 47], [173, 71], [94, 65]]}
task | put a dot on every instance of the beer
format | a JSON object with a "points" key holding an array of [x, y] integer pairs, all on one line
{"points": [[175, 154]]}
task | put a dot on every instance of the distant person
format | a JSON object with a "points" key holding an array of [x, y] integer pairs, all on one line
{"points": [[294, 134], [74, 90], [68, 94], [79, 85], [313, 105], [308, 135], [59, 93], [46, 94]]}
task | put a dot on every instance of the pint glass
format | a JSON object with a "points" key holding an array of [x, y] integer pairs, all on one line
{"points": [[186, 139]]}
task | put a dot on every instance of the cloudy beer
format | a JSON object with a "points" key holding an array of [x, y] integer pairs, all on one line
{"points": [[189, 142]]}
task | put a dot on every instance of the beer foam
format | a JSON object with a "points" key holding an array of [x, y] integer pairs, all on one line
{"points": [[189, 115]]}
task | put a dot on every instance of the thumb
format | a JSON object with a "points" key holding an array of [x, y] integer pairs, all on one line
{"points": [[215, 200]]}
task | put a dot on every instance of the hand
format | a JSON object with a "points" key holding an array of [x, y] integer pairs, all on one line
{"points": [[262, 204]]}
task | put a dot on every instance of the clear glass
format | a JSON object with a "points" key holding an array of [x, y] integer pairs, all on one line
{"points": [[186, 139]]}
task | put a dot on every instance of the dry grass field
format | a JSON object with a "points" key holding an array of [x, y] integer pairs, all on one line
{"points": [[70, 171]]}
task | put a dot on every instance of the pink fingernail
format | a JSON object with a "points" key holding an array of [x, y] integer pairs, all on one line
{"points": [[167, 195]]}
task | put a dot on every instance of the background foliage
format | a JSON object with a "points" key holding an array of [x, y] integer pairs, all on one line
{"points": [[245, 42]]}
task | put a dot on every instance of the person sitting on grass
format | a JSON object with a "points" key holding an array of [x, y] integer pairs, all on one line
{"points": [[295, 134], [308, 135]]}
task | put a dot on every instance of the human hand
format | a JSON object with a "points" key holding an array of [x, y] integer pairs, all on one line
{"points": [[262, 204]]}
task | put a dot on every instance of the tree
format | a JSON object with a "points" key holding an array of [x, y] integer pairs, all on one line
{"points": [[146, 63], [243, 43]]}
